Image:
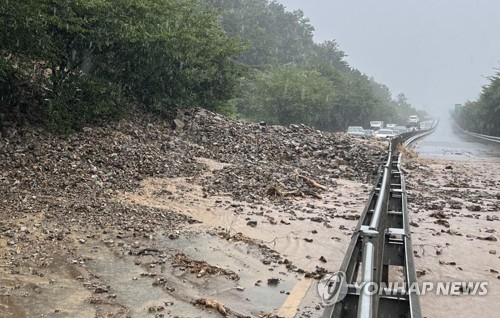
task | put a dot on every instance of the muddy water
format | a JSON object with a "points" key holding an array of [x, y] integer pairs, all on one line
{"points": [[301, 230], [293, 225], [473, 182], [245, 260], [133, 291]]}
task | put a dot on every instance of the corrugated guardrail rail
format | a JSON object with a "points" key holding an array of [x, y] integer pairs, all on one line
{"points": [[484, 137], [479, 136], [378, 267]]}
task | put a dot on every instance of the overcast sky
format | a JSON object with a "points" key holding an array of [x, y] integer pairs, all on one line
{"points": [[437, 52]]}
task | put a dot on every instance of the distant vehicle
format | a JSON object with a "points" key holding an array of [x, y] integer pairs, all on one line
{"points": [[369, 133], [401, 129], [390, 126], [376, 125], [413, 121], [413, 118], [356, 131], [385, 133], [425, 125]]}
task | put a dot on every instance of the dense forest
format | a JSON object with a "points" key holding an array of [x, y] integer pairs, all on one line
{"points": [[67, 64], [483, 115]]}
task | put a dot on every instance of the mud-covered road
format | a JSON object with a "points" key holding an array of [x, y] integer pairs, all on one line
{"points": [[449, 142], [454, 201]]}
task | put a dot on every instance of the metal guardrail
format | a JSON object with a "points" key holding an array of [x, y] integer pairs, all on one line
{"points": [[410, 137], [380, 245], [480, 136], [484, 137]]}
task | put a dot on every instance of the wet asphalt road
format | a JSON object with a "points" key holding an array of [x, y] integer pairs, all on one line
{"points": [[448, 141]]}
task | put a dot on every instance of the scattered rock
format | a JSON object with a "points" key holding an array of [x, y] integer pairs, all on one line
{"points": [[252, 223], [455, 205], [273, 281], [438, 215], [442, 222], [474, 208], [488, 238]]}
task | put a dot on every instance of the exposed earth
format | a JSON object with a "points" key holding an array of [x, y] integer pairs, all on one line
{"points": [[197, 215]]}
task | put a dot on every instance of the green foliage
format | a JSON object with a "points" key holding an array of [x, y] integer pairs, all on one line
{"points": [[69, 63], [483, 116], [296, 80], [172, 54], [19, 96], [286, 95], [91, 58], [82, 100], [272, 35]]}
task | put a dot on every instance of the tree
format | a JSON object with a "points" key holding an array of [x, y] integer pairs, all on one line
{"points": [[91, 58], [279, 43], [288, 94], [483, 116]]}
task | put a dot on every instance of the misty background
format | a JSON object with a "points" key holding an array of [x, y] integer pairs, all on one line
{"points": [[438, 53]]}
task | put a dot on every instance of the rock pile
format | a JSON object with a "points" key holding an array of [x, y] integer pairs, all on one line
{"points": [[72, 179], [263, 156]]}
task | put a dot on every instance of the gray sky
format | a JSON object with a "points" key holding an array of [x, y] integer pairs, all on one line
{"points": [[437, 52]]}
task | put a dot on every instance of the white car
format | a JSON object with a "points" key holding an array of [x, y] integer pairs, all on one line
{"points": [[356, 131], [385, 133], [413, 119]]}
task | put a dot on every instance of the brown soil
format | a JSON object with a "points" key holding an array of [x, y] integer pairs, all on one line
{"points": [[455, 210]]}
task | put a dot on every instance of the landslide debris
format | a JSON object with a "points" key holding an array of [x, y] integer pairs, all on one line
{"points": [[76, 175], [66, 184], [61, 192], [272, 159]]}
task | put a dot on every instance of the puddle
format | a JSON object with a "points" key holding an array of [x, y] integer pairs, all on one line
{"points": [[136, 292]]}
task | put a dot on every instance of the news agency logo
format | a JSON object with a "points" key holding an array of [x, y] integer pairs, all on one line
{"points": [[333, 288]]}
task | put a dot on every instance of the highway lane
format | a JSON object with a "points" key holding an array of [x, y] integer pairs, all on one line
{"points": [[448, 141]]}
